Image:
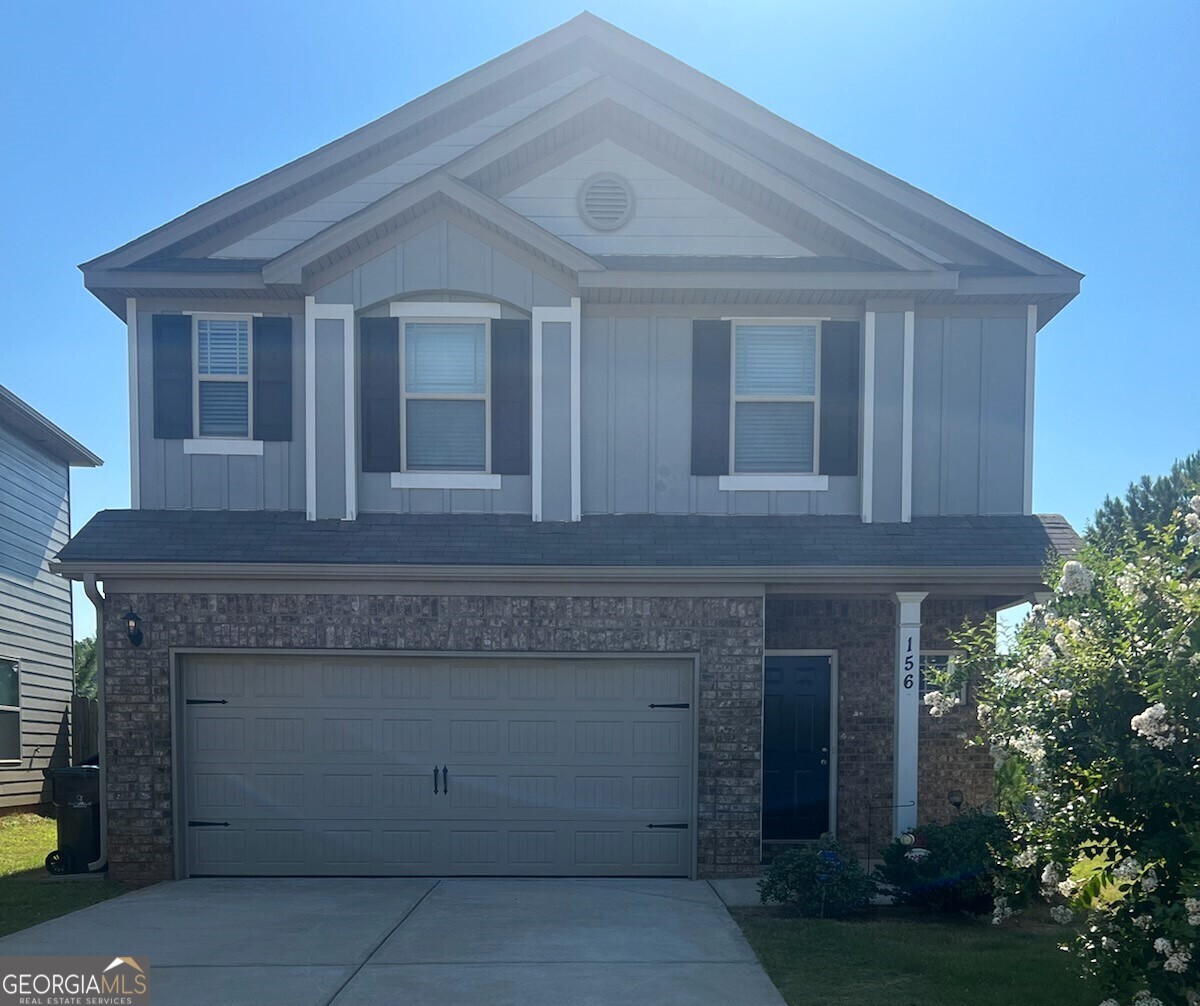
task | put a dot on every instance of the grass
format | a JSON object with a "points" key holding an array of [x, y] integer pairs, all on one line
{"points": [[904, 958], [28, 895]]}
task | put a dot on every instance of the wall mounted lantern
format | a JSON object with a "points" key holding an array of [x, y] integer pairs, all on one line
{"points": [[132, 626], [955, 797]]}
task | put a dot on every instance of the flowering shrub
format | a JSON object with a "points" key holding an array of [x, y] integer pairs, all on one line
{"points": [[1097, 705], [800, 879], [949, 867]]}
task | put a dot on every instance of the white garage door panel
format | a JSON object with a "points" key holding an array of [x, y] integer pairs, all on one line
{"points": [[326, 766]]}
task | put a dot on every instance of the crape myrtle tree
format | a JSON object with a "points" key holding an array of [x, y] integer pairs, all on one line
{"points": [[1094, 713]]}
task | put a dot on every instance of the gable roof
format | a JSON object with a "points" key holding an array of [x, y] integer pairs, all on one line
{"points": [[662, 108], [19, 415]]}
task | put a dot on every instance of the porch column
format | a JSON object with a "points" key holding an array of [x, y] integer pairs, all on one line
{"points": [[904, 754]]}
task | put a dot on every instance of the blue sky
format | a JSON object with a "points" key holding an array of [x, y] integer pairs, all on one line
{"points": [[1071, 126]]}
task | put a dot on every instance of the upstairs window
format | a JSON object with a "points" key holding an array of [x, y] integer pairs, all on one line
{"points": [[774, 414], [223, 379], [937, 663], [10, 710], [446, 387]]}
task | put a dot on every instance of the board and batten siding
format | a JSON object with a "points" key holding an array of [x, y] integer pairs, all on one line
{"points": [[35, 611], [636, 429], [969, 415], [173, 480]]}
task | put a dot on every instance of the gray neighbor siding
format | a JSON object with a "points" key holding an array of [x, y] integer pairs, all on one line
{"points": [[35, 611]]}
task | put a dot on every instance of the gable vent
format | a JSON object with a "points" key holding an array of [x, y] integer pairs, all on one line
{"points": [[605, 202]]}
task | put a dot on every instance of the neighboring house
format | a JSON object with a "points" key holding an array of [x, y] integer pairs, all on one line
{"points": [[37, 655], [566, 473]]}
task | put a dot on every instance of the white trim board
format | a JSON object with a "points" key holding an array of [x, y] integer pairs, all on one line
{"points": [[868, 418], [135, 451], [906, 419], [1030, 374], [221, 445], [550, 316], [314, 312], [445, 480], [412, 310]]}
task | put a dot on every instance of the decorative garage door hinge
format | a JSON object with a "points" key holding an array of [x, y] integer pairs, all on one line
{"points": [[208, 824], [675, 826], [206, 702], [670, 705]]}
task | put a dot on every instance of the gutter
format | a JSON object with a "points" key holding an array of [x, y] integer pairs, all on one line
{"points": [[97, 599]]}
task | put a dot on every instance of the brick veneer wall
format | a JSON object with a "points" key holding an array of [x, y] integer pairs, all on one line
{"points": [[726, 633], [864, 635]]}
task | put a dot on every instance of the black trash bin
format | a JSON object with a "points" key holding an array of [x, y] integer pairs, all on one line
{"points": [[76, 795]]}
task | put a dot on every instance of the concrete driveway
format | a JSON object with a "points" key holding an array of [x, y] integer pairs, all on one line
{"points": [[420, 942]]}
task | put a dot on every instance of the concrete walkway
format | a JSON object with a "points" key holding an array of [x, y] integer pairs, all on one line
{"points": [[420, 943]]}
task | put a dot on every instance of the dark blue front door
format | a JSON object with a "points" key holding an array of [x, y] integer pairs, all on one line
{"points": [[795, 748]]}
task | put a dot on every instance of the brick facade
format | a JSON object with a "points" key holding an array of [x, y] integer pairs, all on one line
{"points": [[726, 633], [864, 635]]}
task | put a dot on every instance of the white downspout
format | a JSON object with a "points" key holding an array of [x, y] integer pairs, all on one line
{"points": [[97, 599]]}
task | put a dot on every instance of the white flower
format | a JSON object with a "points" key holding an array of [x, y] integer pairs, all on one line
{"points": [[1068, 887], [1061, 695], [1162, 945], [1143, 922], [1192, 522], [1076, 578], [1050, 875], [1045, 657], [1193, 910], [1061, 914], [1152, 724], [1144, 998], [1110, 1002], [1149, 880], [1030, 744], [1194, 503], [1025, 858], [1074, 624], [1127, 581], [940, 703], [1001, 911], [1128, 869]]}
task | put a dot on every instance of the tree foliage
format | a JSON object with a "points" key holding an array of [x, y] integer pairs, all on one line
{"points": [[1147, 507], [1097, 703], [85, 667]]}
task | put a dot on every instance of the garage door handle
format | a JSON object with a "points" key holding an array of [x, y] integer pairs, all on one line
{"points": [[670, 705], [435, 780], [677, 827], [445, 781], [208, 824]]}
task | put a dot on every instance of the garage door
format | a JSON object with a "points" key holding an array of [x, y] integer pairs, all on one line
{"points": [[437, 766]]}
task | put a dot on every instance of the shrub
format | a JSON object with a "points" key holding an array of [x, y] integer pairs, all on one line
{"points": [[792, 880], [954, 873]]}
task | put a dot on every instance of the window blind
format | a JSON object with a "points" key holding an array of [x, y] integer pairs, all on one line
{"points": [[446, 435], [224, 409], [223, 346], [773, 437], [776, 360], [445, 359]]}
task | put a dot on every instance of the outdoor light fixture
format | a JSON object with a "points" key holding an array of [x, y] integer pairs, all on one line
{"points": [[956, 798], [132, 623]]}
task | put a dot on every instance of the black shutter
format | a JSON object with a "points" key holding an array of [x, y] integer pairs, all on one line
{"points": [[710, 398], [272, 379], [839, 397], [512, 390], [171, 339], [379, 393]]}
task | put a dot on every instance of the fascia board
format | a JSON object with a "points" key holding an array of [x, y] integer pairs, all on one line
{"points": [[750, 280], [408, 114]]}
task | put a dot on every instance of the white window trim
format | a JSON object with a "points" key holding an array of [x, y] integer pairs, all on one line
{"points": [[7, 762], [435, 479], [222, 445], [952, 656], [735, 398], [773, 483], [443, 311], [198, 317]]}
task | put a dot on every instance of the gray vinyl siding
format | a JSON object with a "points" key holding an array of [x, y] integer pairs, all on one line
{"points": [[35, 611], [172, 480], [636, 429], [285, 234], [670, 216], [969, 415]]}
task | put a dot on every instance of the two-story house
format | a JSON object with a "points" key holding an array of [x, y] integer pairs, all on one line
{"points": [[564, 474], [37, 655]]}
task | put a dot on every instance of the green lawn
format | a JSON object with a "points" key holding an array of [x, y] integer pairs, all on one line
{"points": [[908, 959], [28, 895]]}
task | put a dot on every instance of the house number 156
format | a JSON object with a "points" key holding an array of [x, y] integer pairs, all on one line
{"points": [[909, 663]]}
